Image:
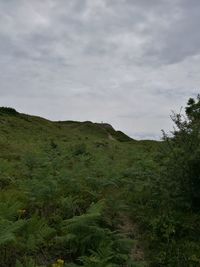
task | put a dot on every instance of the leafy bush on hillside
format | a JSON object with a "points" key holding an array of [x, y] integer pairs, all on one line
{"points": [[7, 110], [184, 155]]}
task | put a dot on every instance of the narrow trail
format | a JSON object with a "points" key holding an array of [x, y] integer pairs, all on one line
{"points": [[131, 230], [110, 137]]}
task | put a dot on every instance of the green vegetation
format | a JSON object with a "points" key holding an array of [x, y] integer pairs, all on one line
{"points": [[9, 111], [82, 194]]}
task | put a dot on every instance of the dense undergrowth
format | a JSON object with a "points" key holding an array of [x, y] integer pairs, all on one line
{"points": [[72, 196]]}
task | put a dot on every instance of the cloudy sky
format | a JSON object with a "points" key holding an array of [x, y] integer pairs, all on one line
{"points": [[125, 62]]}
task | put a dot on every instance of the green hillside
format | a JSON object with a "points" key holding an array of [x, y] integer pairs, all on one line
{"points": [[82, 194]]}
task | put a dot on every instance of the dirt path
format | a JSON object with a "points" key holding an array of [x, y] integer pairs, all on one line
{"points": [[130, 229], [110, 137]]}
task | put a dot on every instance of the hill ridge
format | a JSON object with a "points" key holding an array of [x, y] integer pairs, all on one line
{"points": [[85, 126]]}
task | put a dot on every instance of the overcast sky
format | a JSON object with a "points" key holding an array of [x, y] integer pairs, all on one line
{"points": [[125, 62]]}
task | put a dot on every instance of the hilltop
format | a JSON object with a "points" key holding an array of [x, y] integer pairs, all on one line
{"points": [[21, 132], [12, 118]]}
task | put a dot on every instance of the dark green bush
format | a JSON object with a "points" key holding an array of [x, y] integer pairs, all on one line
{"points": [[7, 110]]}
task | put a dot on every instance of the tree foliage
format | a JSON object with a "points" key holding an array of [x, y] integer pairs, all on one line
{"points": [[184, 154]]}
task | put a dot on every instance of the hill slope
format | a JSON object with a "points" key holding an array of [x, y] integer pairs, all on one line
{"points": [[66, 189]]}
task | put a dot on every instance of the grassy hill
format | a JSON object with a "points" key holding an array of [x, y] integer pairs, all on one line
{"points": [[22, 134], [82, 194]]}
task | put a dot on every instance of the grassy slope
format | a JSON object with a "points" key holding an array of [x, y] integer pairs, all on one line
{"points": [[98, 165], [21, 134]]}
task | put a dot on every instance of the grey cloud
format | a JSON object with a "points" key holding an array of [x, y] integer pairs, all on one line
{"points": [[127, 62]]}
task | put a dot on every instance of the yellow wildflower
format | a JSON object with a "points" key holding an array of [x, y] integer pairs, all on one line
{"points": [[60, 262], [22, 211]]}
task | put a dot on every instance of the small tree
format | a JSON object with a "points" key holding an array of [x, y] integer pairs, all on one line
{"points": [[183, 164]]}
